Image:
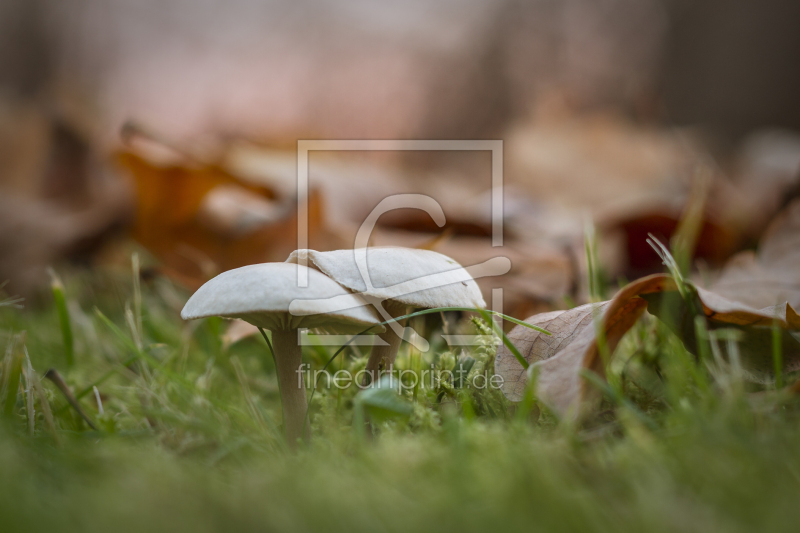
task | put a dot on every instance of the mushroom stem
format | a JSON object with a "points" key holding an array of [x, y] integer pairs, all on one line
{"points": [[384, 356], [290, 380]]}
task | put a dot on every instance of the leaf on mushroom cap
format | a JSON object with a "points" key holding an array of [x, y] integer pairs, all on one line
{"points": [[261, 294], [419, 278]]}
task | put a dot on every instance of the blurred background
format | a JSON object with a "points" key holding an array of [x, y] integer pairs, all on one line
{"points": [[173, 125]]}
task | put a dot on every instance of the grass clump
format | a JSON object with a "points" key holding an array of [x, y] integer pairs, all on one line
{"points": [[188, 434]]}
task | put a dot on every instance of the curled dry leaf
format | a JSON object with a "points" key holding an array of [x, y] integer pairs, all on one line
{"points": [[558, 360], [753, 292], [573, 346], [755, 344]]}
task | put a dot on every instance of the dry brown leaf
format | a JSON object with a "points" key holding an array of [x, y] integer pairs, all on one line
{"points": [[756, 326], [560, 358], [632, 181], [772, 275], [737, 208], [636, 180], [467, 206], [234, 211], [350, 184], [590, 161], [573, 346], [767, 174], [200, 219], [660, 217]]}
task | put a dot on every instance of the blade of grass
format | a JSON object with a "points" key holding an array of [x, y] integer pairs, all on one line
{"points": [[44, 405], [595, 277], [63, 317], [248, 397], [618, 398], [137, 301], [684, 240], [99, 381], [30, 410], [525, 407], [176, 378], [11, 301], [777, 354], [500, 333], [704, 354], [13, 369], [468, 309], [126, 363]]}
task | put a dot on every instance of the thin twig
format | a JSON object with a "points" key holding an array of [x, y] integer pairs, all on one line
{"points": [[59, 382]]}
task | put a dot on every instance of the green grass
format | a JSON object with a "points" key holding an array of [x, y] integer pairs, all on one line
{"points": [[190, 438]]}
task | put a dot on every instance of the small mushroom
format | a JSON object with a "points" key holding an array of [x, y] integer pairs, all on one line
{"points": [[261, 295], [398, 278]]}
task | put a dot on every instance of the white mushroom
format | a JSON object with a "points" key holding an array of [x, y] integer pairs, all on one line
{"points": [[397, 278], [261, 294]]}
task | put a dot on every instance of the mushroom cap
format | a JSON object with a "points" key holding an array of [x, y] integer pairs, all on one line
{"points": [[419, 278], [261, 294]]}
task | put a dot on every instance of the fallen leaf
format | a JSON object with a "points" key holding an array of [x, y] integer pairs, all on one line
{"points": [[770, 276], [234, 211], [573, 347], [199, 218], [767, 174], [467, 207], [589, 161], [756, 326], [636, 180], [350, 189]]}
